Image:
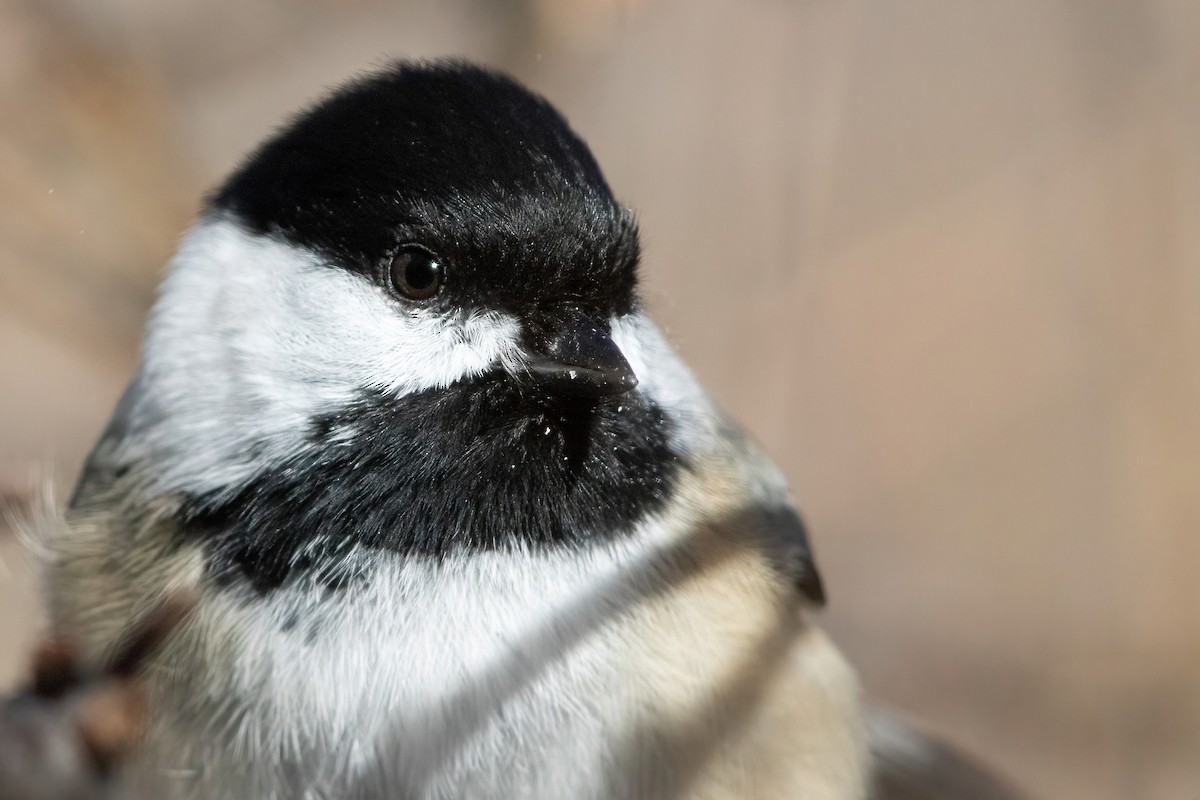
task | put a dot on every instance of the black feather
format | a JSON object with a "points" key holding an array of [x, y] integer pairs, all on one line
{"points": [[485, 464], [463, 160]]}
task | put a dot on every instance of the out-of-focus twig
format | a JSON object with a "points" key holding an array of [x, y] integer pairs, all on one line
{"points": [[64, 736]]}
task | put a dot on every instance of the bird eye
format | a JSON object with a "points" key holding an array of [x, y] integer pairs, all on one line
{"points": [[416, 273]]}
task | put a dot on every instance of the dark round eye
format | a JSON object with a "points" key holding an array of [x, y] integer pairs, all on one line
{"points": [[416, 273]]}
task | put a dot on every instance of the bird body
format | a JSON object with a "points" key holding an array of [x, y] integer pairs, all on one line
{"points": [[673, 660], [457, 519], [674, 667]]}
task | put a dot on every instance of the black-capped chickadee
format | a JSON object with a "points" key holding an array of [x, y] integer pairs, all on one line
{"points": [[459, 522]]}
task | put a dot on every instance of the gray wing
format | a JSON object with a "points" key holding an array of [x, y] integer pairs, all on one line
{"points": [[911, 765], [787, 542]]}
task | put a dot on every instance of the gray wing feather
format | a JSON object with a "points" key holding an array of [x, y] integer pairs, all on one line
{"points": [[911, 765]]}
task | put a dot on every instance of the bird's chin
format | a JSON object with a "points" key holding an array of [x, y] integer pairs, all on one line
{"points": [[539, 394]]}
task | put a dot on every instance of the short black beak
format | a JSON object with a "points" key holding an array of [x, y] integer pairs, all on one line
{"points": [[576, 356]]}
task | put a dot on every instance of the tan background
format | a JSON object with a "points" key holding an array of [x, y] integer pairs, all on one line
{"points": [[943, 257]]}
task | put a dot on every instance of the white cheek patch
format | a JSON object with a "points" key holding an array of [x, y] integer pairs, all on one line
{"points": [[348, 335], [665, 379], [252, 337]]}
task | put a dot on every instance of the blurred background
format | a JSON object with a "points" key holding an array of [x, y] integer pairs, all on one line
{"points": [[943, 258]]}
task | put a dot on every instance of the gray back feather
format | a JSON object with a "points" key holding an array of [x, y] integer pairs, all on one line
{"points": [[911, 765]]}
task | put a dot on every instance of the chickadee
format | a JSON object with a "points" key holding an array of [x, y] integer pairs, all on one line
{"points": [[459, 522]]}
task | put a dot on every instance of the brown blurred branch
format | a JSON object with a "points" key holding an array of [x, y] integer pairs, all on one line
{"points": [[66, 734]]}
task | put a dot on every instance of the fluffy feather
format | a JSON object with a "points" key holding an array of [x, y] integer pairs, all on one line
{"points": [[417, 573]]}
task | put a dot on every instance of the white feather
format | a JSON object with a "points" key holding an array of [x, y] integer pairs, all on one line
{"points": [[433, 678], [251, 338]]}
